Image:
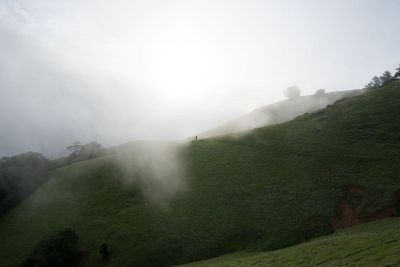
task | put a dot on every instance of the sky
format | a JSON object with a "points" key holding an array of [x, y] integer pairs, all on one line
{"points": [[118, 71]]}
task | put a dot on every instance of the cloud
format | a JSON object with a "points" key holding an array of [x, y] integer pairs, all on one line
{"points": [[156, 167], [44, 106], [119, 71]]}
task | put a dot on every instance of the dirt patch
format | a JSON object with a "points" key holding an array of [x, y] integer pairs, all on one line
{"points": [[349, 209]]}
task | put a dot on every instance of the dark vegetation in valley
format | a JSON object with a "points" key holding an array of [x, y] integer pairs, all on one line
{"points": [[19, 176], [22, 174]]}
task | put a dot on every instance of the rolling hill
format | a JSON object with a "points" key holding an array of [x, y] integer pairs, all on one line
{"points": [[279, 112], [160, 204]]}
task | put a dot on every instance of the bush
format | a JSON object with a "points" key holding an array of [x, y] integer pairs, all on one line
{"points": [[56, 251]]}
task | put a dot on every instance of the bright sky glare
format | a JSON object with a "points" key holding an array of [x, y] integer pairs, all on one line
{"points": [[116, 71]]}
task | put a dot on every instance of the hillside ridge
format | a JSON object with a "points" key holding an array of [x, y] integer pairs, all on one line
{"points": [[279, 112], [269, 188]]}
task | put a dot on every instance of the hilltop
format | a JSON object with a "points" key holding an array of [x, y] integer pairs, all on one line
{"points": [[266, 189]]}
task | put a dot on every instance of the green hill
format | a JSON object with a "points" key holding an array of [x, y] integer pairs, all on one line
{"points": [[279, 112], [372, 244], [270, 188]]}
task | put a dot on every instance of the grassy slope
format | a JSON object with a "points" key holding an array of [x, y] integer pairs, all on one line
{"points": [[279, 112], [372, 244], [257, 190]]}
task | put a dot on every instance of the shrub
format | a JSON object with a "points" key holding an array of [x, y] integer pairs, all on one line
{"points": [[57, 250]]}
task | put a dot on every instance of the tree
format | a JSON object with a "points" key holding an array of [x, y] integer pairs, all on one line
{"points": [[92, 150], [386, 78], [75, 148], [292, 92], [397, 74], [368, 86], [83, 152], [320, 92], [374, 83]]}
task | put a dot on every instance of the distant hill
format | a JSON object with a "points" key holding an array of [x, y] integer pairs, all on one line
{"points": [[270, 188], [279, 112]]}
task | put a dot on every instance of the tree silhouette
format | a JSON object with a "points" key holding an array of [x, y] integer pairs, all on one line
{"points": [[75, 147], [292, 92], [386, 78], [397, 74], [374, 83], [320, 92]]}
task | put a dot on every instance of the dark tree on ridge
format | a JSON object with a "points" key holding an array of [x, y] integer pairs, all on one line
{"points": [[386, 78], [397, 74]]}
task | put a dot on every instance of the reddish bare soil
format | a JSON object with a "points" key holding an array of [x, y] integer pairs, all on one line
{"points": [[349, 209]]}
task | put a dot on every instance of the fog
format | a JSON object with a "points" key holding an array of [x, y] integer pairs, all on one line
{"points": [[117, 71], [279, 112], [156, 168]]}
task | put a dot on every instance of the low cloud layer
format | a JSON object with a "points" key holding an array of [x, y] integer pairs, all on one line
{"points": [[118, 71], [45, 105]]}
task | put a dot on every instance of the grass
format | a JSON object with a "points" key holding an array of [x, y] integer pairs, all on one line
{"points": [[373, 244], [278, 112], [259, 190]]}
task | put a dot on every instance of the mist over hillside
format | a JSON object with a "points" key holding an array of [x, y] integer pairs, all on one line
{"points": [[279, 112], [134, 70], [209, 133], [160, 204]]}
